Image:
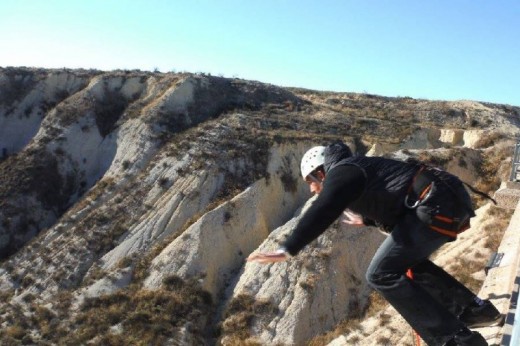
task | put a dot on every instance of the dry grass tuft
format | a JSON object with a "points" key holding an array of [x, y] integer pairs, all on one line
{"points": [[145, 317], [240, 314], [494, 232]]}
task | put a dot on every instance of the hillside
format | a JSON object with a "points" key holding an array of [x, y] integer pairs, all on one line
{"points": [[129, 201]]}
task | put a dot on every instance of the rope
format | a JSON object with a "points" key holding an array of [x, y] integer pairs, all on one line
{"points": [[415, 336]]}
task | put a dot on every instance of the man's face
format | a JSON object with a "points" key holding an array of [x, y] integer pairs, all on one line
{"points": [[315, 181]]}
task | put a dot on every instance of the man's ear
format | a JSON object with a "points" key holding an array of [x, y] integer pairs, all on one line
{"points": [[320, 174]]}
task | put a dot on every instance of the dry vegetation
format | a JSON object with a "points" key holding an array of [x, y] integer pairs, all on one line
{"points": [[239, 315], [132, 316], [494, 232]]}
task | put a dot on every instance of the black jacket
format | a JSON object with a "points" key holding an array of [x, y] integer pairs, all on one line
{"points": [[374, 187]]}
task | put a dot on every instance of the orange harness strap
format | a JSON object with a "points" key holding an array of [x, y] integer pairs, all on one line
{"points": [[444, 225]]}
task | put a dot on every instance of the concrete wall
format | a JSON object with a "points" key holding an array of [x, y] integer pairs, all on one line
{"points": [[501, 284]]}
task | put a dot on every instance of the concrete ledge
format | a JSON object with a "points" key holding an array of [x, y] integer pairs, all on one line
{"points": [[499, 285]]}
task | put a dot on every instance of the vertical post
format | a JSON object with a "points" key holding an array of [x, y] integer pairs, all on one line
{"points": [[515, 165]]}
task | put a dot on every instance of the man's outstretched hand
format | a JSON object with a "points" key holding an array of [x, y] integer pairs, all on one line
{"points": [[268, 257], [351, 218]]}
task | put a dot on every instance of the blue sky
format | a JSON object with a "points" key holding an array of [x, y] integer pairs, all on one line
{"points": [[441, 50]]}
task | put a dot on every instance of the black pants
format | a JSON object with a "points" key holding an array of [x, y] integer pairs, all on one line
{"points": [[431, 302]]}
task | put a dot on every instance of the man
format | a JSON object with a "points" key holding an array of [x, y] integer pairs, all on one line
{"points": [[423, 208]]}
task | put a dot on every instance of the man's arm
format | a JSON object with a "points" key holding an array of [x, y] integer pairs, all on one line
{"points": [[342, 185]]}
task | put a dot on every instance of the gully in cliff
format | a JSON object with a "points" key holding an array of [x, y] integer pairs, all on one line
{"points": [[422, 208]]}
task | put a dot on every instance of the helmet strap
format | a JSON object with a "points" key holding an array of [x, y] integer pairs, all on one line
{"points": [[313, 178]]}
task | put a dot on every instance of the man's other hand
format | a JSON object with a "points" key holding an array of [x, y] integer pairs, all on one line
{"points": [[351, 218], [268, 257]]}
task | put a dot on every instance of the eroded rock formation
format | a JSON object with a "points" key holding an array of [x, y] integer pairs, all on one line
{"points": [[125, 191]]}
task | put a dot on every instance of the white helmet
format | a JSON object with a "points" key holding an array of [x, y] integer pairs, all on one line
{"points": [[313, 158]]}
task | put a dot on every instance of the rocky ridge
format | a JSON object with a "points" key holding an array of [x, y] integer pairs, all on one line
{"points": [[116, 184]]}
